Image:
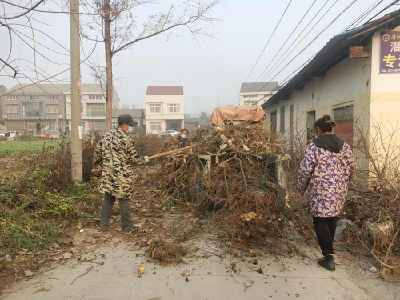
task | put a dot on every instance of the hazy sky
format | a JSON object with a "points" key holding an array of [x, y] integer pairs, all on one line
{"points": [[210, 70]]}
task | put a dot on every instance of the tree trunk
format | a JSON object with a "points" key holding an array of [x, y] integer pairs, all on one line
{"points": [[109, 77]]}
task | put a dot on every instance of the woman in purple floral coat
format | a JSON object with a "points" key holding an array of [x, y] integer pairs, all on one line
{"points": [[325, 171]]}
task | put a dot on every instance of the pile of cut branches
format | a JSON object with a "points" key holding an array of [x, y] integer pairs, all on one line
{"points": [[232, 169], [373, 202]]}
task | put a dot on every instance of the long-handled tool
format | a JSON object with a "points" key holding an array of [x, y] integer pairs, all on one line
{"points": [[148, 158], [169, 152]]}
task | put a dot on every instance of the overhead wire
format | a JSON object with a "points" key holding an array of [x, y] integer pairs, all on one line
{"points": [[304, 29], [313, 40], [285, 81], [387, 7], [285, 55], [370, 9], [298, 24], [262, 52]]}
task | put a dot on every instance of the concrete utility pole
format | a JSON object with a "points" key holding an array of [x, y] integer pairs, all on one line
{"points": [[76, 117]]}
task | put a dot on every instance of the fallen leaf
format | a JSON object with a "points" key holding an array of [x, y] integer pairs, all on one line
{"points": [[187, 279], [43, 289], [249, 216], [140, 270], [260, 271], [79, 226], [28, 273]]}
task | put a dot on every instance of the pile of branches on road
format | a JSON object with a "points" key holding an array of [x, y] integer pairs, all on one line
{"points": [[373, 203], [232, 169]]}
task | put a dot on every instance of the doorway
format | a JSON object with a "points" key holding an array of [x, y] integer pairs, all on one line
{"points": [[310, 126]]}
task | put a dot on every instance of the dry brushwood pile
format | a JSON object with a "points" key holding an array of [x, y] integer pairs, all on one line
{"points": [[377, 213], [232, 169]]}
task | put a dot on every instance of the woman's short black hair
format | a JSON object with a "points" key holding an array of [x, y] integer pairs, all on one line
{"points": [[184, 130], [325, 123]]}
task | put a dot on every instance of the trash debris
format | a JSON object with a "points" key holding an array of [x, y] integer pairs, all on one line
{"points": [[8, 258], [373, 270], [28, 273], [379, 231], [342, 224]]}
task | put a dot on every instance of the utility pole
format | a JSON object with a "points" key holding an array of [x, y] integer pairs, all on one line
{"points": [[76, 117]]}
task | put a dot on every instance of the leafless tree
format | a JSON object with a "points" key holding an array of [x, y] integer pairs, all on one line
{"points": [[113, 20], [23, 23]]}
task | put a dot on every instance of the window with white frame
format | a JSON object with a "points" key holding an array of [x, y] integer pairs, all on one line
{"points": [[33, 97], [174, 108], [12, 97], [95, 109], [52, 108], [155, 108], [250, 102], [155, 126], [12, 109], [96, 97], [50, 97], [115, 125], [53, 126], [250, 96]]}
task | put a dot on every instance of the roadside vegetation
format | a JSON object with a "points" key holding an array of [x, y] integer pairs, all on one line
{"points": [[8, 147], [38, 199]]}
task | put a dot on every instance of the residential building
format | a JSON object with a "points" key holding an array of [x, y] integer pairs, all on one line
{"points": [[3, 89], [39, 109], [164, 108], [257, 93], [192, 124], [93, 107], [354, 78], [46, 108], [136, 114]]}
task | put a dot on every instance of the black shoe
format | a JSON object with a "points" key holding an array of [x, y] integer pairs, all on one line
{"points": [[328, 264]]}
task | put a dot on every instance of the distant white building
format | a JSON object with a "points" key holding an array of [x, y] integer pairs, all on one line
{"points": [[46, 108], [257, 93], [93, 106], [164, 108]]}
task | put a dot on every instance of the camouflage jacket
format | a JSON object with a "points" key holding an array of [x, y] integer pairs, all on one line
{"points": [[115, 153]]}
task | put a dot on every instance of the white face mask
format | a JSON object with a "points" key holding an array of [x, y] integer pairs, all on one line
{"points": [[130, 130], [183, 136]]}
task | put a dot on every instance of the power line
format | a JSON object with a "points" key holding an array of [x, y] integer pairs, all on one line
{"points": [[262, 52], [298, 24], [354, 1], [363, 15], [387, 7], [279, 61], [298, 69]]}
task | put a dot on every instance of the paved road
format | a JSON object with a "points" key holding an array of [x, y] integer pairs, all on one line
{"points": [[113, 275]]}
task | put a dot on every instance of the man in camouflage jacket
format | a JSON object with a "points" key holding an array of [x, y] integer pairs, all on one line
{"points": [[115, 153]]}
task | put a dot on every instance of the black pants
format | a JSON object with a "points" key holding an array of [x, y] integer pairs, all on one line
{"points": [[124, 208], [325, 230]]}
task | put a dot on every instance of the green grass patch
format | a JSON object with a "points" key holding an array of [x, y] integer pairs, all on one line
{"points": [[26, 147]]}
